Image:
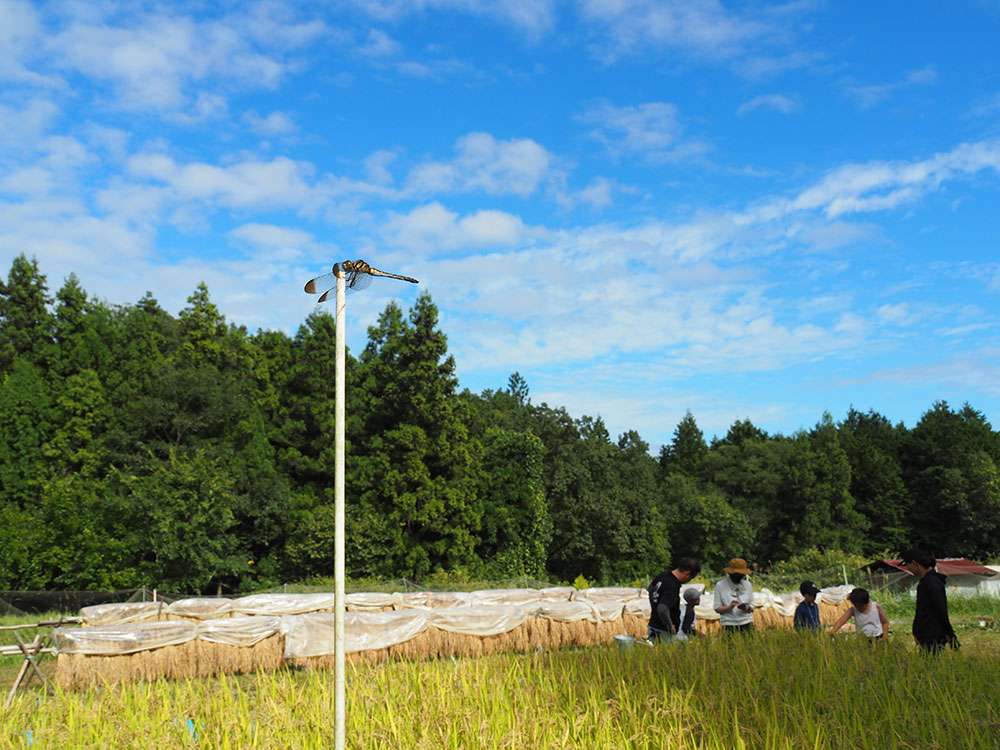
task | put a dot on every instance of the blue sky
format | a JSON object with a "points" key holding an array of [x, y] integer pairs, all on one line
{"points": [[741, 209]]}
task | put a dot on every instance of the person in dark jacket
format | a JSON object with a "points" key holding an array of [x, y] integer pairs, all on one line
{"points": [[665, 599], [807, 613], [931, 627]]}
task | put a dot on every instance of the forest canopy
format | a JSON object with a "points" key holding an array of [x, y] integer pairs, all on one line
{"points": [[142, 448]]}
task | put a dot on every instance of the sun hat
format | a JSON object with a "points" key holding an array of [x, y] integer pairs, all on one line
{"points": [[808, 588], [737, 565]]}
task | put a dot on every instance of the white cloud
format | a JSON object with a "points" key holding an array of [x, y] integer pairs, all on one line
{"points": [[900, 313], [879, 186], [986, 107], [651, 130], [872, 94], [20, 39], [22, 128], [163, 62], [433, 227], [704, 27], [599, 193], [763, 66], [377, 166], [483, 163], [533, 17], [974, 371], [270, 125], [378, 44], [776, 102], [280, 182], [272, 236]]}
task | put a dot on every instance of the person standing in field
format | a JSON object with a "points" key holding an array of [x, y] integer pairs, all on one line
{"points": [[665, 599], [734, 598], [932, 628], [869, 619], [807, 613]]}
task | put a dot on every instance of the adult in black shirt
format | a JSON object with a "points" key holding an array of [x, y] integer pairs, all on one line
{"points": [[931, 626], [665, 598]]}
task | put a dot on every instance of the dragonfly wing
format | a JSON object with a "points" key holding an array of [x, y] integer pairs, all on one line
{"points": [[321, 283], [357, 281]]}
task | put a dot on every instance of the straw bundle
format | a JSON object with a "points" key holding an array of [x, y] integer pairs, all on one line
{"points": [[828, 613], [768, 618], [636, 626], [192, 659]]}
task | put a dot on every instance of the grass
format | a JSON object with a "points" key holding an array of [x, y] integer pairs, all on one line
{"points": [[769, 691]]}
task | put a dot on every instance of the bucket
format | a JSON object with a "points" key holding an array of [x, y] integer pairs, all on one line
{"points": [[624, 643]]}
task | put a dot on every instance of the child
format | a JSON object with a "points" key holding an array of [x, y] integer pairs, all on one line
{"points": [[692, 597], [807, 613], [869, 619]]}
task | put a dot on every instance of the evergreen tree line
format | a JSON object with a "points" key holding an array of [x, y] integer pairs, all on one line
{"points": [[140, 448]]}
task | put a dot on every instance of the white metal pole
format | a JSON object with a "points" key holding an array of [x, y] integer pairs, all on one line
{"points": [[340, 708]]}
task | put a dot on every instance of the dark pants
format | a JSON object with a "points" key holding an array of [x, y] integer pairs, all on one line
{"points": [[936, 647], [738, 628], [657, 635]]}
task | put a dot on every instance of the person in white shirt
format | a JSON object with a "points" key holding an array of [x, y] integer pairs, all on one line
{"points": [[869, 619], [734, 597]]}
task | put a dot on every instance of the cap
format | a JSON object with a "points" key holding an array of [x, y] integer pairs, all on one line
{"points": [[808, 588]]}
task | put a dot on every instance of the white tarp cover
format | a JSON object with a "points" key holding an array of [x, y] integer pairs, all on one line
{"points": [[238, 631], [312, 634], [414, 599], [116, 641], [282, 604], [557, 593], [504, 597], [481, 621], [610, 593], [570, 611], [373, 600], [120, 612], [202, 609], [608, 611], [446, 599], [832, 594], [638, 607]]}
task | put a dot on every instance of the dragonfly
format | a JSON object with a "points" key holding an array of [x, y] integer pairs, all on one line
{"points": [[358, 275]]}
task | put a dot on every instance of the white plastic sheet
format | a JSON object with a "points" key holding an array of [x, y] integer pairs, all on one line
{"points": [[312, 634], [834, 594], [121, 612], [481, 621], [282, 604], [568, 611], [557, 593], [201, 609], [117, 641], [610, 593], [238, 631], [504, 597], [370, 601], [413, 600]]}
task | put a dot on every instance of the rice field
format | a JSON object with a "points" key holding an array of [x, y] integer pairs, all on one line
{"points": [[768, 691]]}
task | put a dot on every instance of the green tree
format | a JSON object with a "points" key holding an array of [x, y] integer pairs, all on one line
{"points": [[687, 451], [704, 524], [25, 320], [516, 528], [414, 476], [872, 445], [950, 459], [186, 503]]}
